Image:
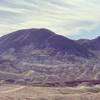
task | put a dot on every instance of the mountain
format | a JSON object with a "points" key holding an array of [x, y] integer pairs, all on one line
{"points": [[21, 38], [40, 56], [41, 39], [91, 44]]}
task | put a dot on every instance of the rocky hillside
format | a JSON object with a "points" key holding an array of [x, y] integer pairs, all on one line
{"points": [[42, 56]]}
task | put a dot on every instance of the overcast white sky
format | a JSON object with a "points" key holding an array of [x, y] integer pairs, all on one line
{"points": [[71, 18]]}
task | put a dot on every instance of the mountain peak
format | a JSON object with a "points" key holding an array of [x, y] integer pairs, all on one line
{"points": [[35, 31], [24, 37]]}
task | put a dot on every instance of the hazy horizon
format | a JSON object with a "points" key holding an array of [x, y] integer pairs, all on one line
{"points": [[75, 19]]}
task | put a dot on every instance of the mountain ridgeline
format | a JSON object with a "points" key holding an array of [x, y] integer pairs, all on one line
{"points": [[42, 56], [42, 39]]}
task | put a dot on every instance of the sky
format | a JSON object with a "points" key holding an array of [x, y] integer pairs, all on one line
{"points": [[71, 18]]}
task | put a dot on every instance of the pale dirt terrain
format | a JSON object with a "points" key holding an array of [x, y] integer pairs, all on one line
{"points": [[18, 92]]}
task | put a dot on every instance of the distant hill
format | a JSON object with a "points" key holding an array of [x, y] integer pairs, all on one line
{"points": [[91, 44]]}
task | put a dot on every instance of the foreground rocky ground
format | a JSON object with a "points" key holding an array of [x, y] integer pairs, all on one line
{"points": [[19, 92]]}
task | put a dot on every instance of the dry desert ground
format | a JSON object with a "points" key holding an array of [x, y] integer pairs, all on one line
{"points": [[20, 92]]}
